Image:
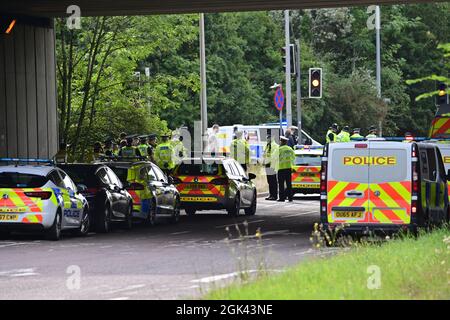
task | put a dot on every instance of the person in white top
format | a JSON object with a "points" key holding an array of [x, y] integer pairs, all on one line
{"points": [[213, 145]]}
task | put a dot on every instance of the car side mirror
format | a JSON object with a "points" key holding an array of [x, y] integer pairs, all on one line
{"points": [[170, 179], [251, 176], [81, 188]]}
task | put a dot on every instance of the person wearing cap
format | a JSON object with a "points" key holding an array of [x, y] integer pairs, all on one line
{"points": [[293, 140], [356, 136], [286, 157], [129, 151], [152, 143], [270, 165], [240, 150], [122, 136], [164, 155], [408, 137], [109, 152], [332, 133], [372, 132], [143, 146], [344, 135]]}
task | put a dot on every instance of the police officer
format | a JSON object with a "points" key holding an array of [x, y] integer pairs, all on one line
{"points": [[129, 151], [143, 146], [344, 135], [286, 157], [152, 143], [332, 133], [164, 155], [97, 153], [408, 137], [240, 150], [372, 132], [109, 149], [356, 136], [270, 164], [178, 148]]}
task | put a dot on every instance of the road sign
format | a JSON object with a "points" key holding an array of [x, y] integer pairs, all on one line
{"points": [[279, 99]]}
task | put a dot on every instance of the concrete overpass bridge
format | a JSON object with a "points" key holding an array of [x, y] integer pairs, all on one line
{"points": [[28, 97]]}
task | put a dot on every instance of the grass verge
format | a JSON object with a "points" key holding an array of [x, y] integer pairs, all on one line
{"points": [[408, 269]]}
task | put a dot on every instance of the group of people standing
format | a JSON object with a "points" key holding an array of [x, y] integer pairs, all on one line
{"points": [[279, 162], [333, 134]]}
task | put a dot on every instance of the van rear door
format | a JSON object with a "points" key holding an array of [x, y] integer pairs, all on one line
{"points": [[390, 182], [348, 183]]}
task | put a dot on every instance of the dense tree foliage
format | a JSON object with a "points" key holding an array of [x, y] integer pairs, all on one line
{"points": [[100, 93]]}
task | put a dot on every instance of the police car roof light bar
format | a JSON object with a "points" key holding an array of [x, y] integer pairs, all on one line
{"points": [[17, 160]]}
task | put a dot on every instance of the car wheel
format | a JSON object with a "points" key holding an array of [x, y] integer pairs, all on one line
{"points": [[85, 224], [128, 223], [252, 210], [234, 210], [176, 212], [103, 223], [190, 212], [54, 232], [151, 219]]}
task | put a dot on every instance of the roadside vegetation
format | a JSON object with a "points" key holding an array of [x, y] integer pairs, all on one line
{"points": [[101, 93], [407, 268]]}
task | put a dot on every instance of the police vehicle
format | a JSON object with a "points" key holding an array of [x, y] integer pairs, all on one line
{"points": [[215, 183], [382, 186], [35, 195], [154, 196], [306, 170]]}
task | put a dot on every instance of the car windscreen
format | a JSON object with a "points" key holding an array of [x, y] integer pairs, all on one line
{"points": [[310, 160], [122, 173], [82, 175], [21, 180], [204, 169]]}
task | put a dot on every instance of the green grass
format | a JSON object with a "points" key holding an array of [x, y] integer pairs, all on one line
{"points": [[410, 269]]}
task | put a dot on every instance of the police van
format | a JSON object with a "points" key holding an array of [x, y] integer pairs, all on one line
{"points": [[444, 148], [306, 170], [382, 186]]}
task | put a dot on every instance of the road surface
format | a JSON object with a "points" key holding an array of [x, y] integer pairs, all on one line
{"points": [[162, 262]]}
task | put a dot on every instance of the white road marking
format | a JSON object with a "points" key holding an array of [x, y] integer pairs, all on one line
{"points": [[132, 287], [18, 273], [120, 298], [11, 244], [239, 223], [220, 277], [299, 214], [181, 232]]}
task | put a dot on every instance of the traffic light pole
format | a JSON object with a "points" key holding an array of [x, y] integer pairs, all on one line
{"points": [[203, 97], [378, 40], [288, 68], [299, 93]]}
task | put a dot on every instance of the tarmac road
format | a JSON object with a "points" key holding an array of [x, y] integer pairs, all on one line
{"points": [[162, 262]]}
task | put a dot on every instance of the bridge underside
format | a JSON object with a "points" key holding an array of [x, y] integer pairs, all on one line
{"points": [[57, 8]]}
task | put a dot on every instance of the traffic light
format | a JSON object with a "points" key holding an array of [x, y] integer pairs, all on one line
{"points": [[7, 24], [442, 97], [315, 83], [293, 57]]}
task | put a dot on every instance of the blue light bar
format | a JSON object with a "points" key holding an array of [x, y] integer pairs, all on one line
{"points": [[47, 161], [308, 147]]}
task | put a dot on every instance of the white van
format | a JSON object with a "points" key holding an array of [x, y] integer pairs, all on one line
{"points": [[382, 186]]}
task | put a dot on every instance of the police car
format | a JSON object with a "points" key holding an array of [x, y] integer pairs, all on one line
{"points": [[306, 170], [40, 197], [380, 186]]}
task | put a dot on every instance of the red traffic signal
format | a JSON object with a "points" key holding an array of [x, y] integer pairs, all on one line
{"points": [[315, 83]]}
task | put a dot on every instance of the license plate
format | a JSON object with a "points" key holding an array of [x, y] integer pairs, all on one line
{"points": [[349, 214], [308, 174], [198, 199], [9, 217], [198, 187]]}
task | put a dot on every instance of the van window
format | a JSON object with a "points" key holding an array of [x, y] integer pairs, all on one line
{"points": [[310, 160], [343, 170], [389, 165], [432, 165], [442, 171]]}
